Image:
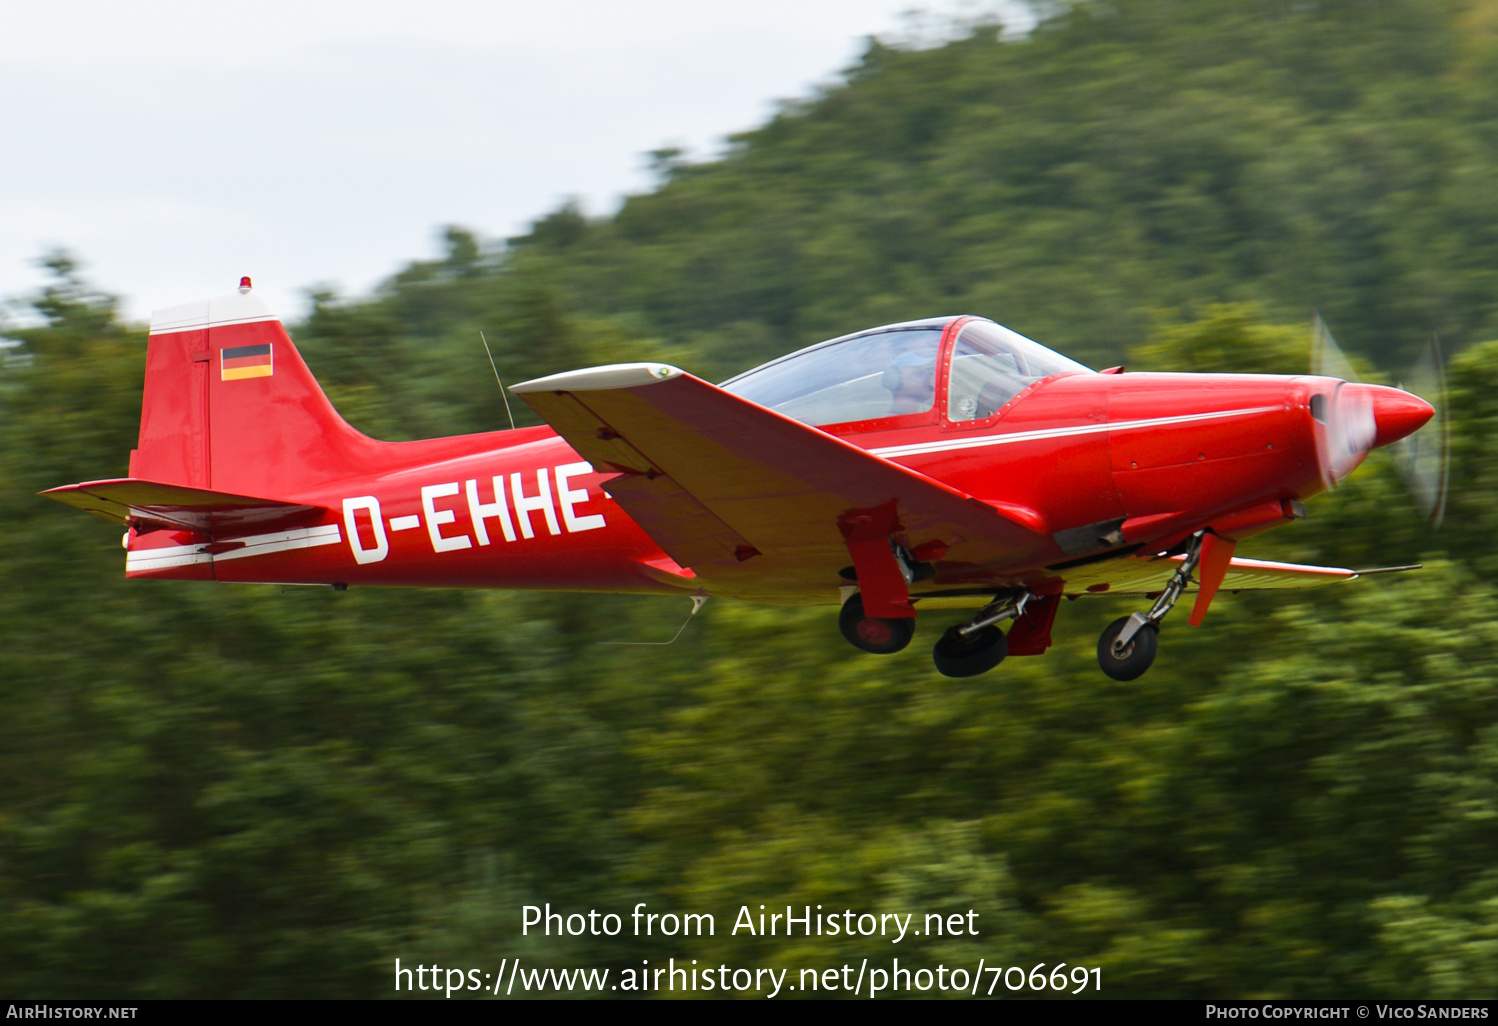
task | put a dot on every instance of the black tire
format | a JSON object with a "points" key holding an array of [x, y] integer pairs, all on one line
{"points": [[874, 634], [1137, 658], [979, 652]]}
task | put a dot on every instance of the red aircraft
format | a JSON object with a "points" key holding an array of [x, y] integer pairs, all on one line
{"points": [[938, 464]]}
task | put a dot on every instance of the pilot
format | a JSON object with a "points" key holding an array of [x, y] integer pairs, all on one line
{"points": [[911, 380]]}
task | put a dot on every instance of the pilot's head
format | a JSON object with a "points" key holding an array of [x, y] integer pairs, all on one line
{"points": [[911, 379]]}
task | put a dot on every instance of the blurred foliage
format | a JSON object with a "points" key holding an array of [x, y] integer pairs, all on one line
{"points": [[1222, 338], [255, 791]]}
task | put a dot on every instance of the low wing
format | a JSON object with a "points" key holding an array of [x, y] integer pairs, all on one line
{"points": [[1138, 576], [719, 481], [131, 500]]}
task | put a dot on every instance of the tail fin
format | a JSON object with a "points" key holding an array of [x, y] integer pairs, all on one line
{"points": [[230, 406]]}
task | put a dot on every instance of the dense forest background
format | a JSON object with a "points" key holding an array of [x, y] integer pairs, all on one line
{"points": [[249, 791]]}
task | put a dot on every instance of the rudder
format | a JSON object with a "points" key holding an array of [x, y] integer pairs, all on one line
{"points": [[230, 405]]}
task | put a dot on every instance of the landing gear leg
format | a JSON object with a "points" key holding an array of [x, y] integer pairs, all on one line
{"points": [[874, 634], [1127, 647], [977, 646]]}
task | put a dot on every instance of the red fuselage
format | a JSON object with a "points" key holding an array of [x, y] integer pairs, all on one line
{"points": [[1164, 454], [1089, 466]]}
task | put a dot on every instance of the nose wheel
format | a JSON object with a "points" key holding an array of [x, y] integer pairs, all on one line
{"points": [[1127, 660], [1127, 647], [871, 633]]}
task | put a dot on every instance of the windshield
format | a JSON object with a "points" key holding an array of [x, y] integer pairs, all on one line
{"points": [[991, 365], [886, 373]]}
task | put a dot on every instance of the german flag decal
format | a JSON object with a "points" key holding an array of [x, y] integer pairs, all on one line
{"points": [[247, 362]]}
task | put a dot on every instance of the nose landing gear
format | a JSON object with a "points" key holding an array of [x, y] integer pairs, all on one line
{"points": [[1127, 660], [1127, 646]]}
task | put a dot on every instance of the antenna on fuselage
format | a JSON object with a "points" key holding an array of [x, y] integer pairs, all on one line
{"points": [[496, 378], [697, 601]]}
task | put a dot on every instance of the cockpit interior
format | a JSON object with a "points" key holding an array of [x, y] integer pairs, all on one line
{"points": [[894, 372]]}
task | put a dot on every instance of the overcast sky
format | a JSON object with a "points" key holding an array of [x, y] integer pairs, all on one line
{"points": [[176, 146]]}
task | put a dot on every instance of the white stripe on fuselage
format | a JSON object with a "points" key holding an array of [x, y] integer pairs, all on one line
{"points": [[978, 441], [281, 541], [166, 557], [255, 545]]}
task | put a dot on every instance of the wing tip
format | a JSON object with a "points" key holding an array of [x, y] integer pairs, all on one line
{"points": [[595, 379], [1373, 571]]}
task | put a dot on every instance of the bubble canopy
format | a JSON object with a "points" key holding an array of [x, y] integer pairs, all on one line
{"points": [[892, 372]]}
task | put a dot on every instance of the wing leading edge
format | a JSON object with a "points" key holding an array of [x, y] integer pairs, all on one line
{"points": [[1133, 575]]}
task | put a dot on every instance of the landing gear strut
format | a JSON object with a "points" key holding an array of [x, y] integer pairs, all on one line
{"points": [[1127, 647], [977, 646]]}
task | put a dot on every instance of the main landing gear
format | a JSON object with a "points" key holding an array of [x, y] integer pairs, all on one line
{"points": [[1125, 651], [965, 650], [977, 646], [871, 633], [1127, 647]]}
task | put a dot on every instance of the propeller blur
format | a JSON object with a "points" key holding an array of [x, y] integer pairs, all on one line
{"points": [[1359, 417]]}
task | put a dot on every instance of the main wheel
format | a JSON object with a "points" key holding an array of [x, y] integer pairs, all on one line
{"points": [[1136, 656], [958, 655], [871, 633]]}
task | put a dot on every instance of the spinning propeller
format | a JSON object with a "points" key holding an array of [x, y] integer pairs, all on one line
{"points": [[1356, 417], [1425, 457]]}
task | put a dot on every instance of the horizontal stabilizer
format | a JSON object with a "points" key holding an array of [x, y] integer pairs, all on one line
{"points": [[149, 504]]}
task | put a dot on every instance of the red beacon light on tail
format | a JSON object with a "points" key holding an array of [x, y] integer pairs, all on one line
{"points": [[244, 285]]}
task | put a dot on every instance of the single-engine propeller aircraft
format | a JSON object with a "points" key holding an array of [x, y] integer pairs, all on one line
{"points": [[938, 464]]}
